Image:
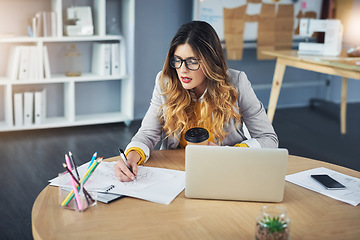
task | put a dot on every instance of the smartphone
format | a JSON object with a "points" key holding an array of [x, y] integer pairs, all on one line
{"points": [[328, 182]]}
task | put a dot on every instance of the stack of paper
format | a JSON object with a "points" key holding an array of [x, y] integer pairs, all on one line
{"points": [[152, 184], [349, 195]]}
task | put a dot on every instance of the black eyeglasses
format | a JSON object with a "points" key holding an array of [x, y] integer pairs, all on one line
{"points": [[191, 63]]}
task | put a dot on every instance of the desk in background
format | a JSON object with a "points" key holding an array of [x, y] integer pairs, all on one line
{"points": [[313, 216], [336, 66]]}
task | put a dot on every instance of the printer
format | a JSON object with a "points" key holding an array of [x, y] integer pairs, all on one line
{"points": [[333, 30]]}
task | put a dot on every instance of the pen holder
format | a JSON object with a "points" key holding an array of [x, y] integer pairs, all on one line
{"points": [[84, 198]]}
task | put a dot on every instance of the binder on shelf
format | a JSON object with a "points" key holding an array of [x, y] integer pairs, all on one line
{"points": [[115, 59], [47, 73], [24, 63], [33, 33], [18, 109], [101, 59], [53, 24], [39, 31], [28, 108], [36, 58], [40, 106], [33, 63], [36, 25], [47, 24], [13, 64], [44, 24]]}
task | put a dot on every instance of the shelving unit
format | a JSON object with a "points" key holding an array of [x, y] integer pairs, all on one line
{"points": [[90, 98]]}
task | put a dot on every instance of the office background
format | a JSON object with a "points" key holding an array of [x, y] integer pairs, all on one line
{"points": [[156, 22], [28, 157], [152, 39]]}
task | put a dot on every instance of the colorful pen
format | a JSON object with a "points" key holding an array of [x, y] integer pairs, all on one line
{"points": [[77, 197], [73, 162], [78, 184], [92, 159], [83, 181]]}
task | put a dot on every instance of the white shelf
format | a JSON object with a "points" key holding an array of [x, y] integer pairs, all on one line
{"points": [[101, 118], [61, 78], [61, 39], [79, 121], [117, 90], [3, 125], [86, 77], [48, 123]]}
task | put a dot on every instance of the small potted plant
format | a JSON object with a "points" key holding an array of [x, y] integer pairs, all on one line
{"points": [[272, 224]]}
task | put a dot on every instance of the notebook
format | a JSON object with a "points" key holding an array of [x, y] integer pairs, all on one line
{"points": [[235, 173]]}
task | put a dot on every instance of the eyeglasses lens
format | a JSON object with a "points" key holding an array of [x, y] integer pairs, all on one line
{"points": [[191, 64]]}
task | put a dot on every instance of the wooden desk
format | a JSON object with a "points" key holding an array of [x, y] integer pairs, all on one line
{"points": [[313, 216], [335, 66]]}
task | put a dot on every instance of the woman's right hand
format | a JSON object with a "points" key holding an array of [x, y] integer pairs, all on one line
{"points": [[122, 172], [211, 144]]}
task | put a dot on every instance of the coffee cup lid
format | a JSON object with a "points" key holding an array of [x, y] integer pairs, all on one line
{"points": [[196, 135]]}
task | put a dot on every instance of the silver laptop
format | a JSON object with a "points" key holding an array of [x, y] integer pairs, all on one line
{"points": [[235, 173]]}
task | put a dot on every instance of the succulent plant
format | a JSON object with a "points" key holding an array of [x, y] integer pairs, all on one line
{"points": [[274, 224]]}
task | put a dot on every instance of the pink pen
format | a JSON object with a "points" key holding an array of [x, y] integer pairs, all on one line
{"points": [[77, 197]]}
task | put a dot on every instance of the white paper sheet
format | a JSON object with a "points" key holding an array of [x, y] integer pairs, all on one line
{"points": [[163, 192], [153, 184], [350, 195], [146, 177]]}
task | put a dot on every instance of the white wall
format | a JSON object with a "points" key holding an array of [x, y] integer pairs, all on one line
{"points": [[156, 23]]}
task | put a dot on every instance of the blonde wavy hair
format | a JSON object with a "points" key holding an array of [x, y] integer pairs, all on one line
{"points": [[178, 111]]}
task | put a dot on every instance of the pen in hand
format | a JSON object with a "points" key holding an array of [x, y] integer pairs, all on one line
{"points": [[123, 157]]}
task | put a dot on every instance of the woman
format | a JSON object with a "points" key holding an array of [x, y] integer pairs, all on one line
{"points": [[195, 88]]}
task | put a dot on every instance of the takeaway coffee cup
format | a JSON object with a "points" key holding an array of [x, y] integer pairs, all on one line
{"points": [[197, 135]]}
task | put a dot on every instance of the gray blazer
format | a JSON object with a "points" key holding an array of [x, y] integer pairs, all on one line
{"points": [[253, 115]]}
